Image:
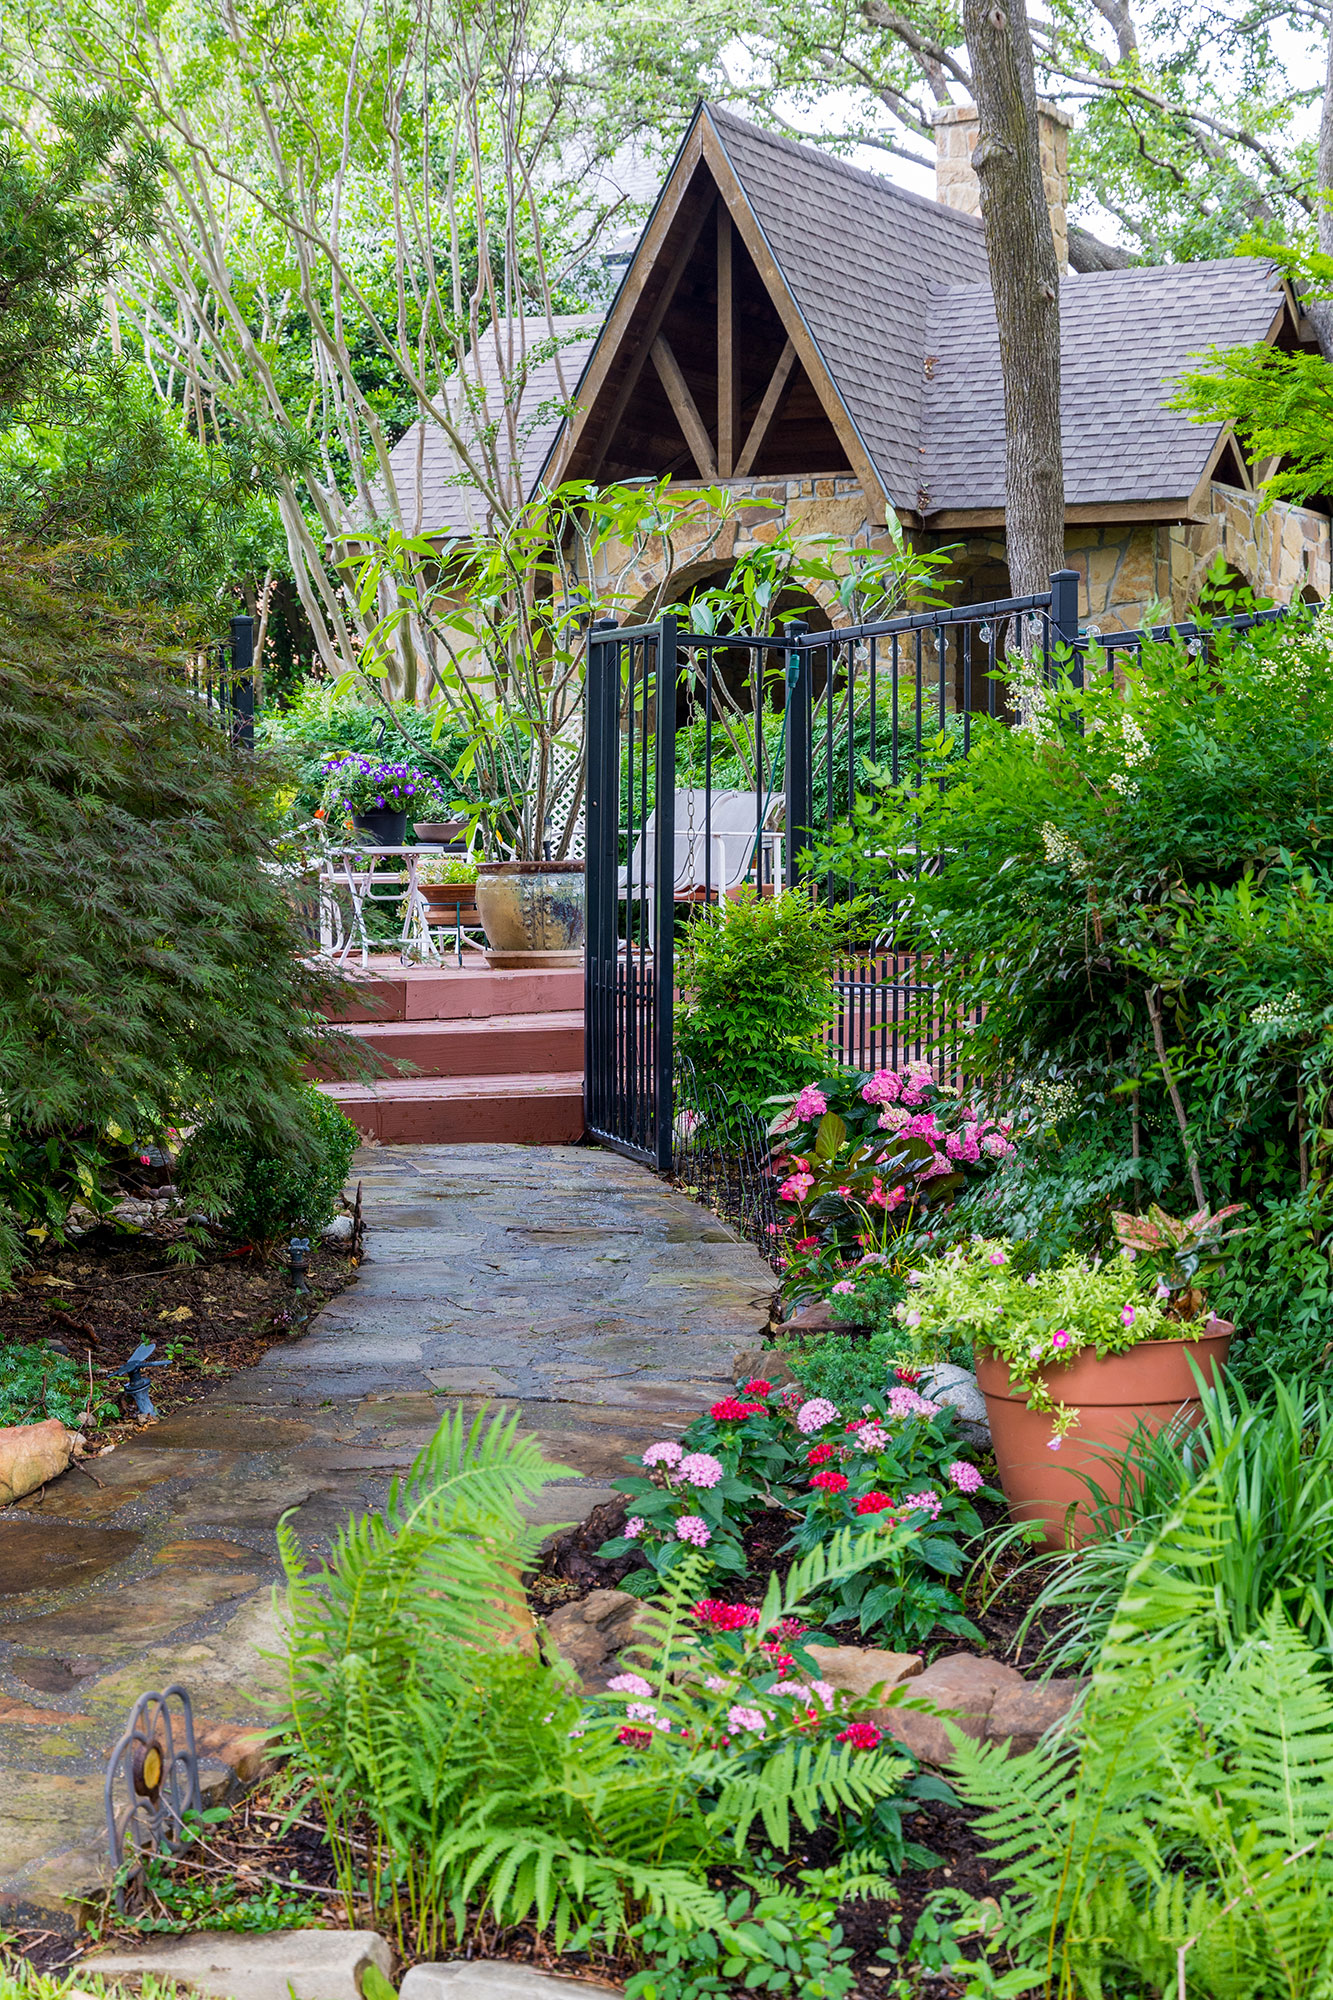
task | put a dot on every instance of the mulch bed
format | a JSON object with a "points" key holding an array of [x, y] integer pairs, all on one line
{"points": [[114, 1290]]}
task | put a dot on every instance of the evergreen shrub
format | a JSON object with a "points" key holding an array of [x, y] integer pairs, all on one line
{"points": [[272, 1191]]}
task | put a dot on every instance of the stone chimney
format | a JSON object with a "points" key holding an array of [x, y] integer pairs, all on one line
{"points": [[957, 186]]}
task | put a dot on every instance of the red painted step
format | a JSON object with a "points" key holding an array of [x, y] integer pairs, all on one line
{"points": [[529, 1110], [498, 1045], [392, 992]]}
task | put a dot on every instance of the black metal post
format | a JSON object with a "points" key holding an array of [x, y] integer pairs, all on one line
{"points": [[601, 824], [1064, 623], [664, 953], [798, 776], [243, 682]]}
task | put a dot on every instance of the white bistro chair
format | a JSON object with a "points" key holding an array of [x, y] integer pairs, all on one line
{"points": [[714, 850]]}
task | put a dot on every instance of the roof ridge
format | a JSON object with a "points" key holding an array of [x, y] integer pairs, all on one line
{"points": [[810, 150]]}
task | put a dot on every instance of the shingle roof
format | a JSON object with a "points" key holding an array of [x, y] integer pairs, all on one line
{"points": [[433, 493], [1125, 338], [859, 256]]}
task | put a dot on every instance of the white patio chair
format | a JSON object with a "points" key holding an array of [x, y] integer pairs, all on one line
{"points": [[714, 849]]}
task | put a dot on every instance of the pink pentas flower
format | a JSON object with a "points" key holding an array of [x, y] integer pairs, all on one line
{"points": [[813, 1415], [700, 1468], [629, 1684], [741, 1719], [871, 1437], [689, 1528], [665, 1453], [811, 1103], [843, 1286], [965, 1477], [929, 1503], [633, 1528], [905, 1402]]}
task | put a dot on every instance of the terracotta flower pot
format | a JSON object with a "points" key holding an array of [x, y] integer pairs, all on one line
{"points": [[1152, 1383], [532, 912]]}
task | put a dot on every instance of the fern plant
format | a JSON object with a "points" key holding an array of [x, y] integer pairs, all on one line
{"points": [[1175, 1839], [489, 1786]]}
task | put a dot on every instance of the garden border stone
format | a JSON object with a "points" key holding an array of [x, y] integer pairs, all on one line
{"points": [[490, 1979], [240, 1965]]}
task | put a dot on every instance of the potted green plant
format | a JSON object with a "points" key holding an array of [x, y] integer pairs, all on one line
{"points": [[1070, 1360], [375, 795], [447, 882]]}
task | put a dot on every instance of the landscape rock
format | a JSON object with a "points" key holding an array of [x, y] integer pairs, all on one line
{"points": [[945, 1383], [591, 1633], [237, 1965], [861, 1669], [242, 1749], [989, 1701], [30, 1454], [1023, 1715], [763, 1364], [490, 1979], [339, 1230], [814, 1318]]}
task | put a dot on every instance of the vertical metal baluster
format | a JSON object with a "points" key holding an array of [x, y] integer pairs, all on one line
{"points": [[708, 778], [965, 636], [895, 708], [664, 957]]}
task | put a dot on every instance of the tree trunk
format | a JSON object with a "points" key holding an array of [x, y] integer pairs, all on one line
{"points": [[1025, 281], [1320, 311]]}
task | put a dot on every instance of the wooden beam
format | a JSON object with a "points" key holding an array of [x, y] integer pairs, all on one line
{"points": [[685, 407], [726, 348], [638, 359], [764, 416]]}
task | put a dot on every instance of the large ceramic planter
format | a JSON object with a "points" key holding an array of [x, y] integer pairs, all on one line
{"points": [[532, 913], [1150, 1384]]}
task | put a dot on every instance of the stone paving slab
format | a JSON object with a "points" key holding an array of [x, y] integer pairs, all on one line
{"points": [[566, 1282]]}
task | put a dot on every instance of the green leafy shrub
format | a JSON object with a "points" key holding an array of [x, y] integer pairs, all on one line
{"points": [[37, 1382], [1174, 1838], [758, 980], [495, 1792], [267, 1191], [149, 960], [1269, 1466], [784, 1938]]}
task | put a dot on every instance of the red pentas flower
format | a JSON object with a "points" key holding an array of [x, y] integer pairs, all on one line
{"points": [[725, 1617], [635, 1739], [781, 1663], [911, 1376], [758, 1387], [830, 1482], [729, 1410], [819, 1454], [872, 1503], [861, 1735], [807, 1242], [790, 1628]]}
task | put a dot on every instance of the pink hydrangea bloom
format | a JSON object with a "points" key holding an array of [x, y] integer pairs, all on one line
{"points": [[922, 1126], [700, 1469], [965, 1477], [629, 1684], [893, 1117], [884, 1087], [739, 1718], [665, 1453], [813, 1416], [996, 1146], [929, 1503], [689, 1528], [811, 1103], [633, 1528]]}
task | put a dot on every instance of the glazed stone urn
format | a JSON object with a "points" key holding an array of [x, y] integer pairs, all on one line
{"points": [[532, 913]]}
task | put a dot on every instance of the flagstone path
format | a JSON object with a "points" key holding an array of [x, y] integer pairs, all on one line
{"points": [[563, 1281]]}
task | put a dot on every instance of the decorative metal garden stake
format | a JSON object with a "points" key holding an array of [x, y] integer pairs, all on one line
{"points": [[135, 1379], [299, 1250], [152, 1781]]}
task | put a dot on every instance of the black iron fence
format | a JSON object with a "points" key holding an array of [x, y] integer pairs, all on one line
{"points": [[716, 762], [223, 677]]}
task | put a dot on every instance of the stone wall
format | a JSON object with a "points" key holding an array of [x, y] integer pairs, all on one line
{"points": [[1283, 553], [956, 183]]}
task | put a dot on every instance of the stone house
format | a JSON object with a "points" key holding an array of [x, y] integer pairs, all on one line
{"points": [[816, 338]]}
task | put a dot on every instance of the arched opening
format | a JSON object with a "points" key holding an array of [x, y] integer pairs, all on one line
{"points": [[1223, 591]]}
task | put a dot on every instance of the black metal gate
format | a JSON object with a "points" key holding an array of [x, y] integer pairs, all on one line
{"points": [[714, 761]]}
